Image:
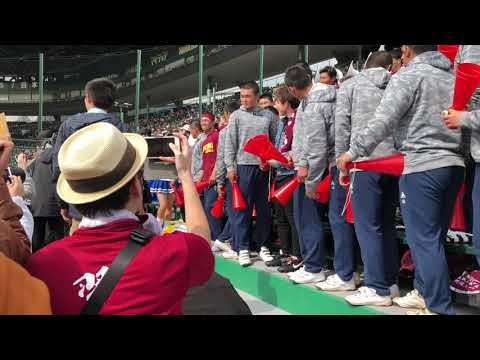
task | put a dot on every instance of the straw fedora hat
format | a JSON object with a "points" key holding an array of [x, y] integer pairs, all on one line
{"points": [[98, 160]]}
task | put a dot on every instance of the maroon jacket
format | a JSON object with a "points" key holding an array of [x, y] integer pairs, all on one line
{"points": [[287, 140]]}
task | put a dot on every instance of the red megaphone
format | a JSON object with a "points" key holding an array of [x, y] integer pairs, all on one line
{"points": [[450, 51], [284, 193], [388, 165], [201, 185], [349, 210], [323, 189], [261, 146], [179, 200], [272, 191], [466, 82], [217, 209], [458, 218], [238, 202]]}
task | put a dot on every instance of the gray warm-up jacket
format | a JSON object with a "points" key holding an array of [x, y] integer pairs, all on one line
{"points": [[313, 145], [411, 110]]}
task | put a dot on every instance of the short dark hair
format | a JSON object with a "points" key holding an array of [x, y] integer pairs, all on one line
{"points": [[250, 85], [419, 49], [116, 201], [196, 124], [272, 109], [283, 95], [379, 59], [102, 91], [330, 70], [298, 76], [396, 53], [266, 96], [231, 107]]}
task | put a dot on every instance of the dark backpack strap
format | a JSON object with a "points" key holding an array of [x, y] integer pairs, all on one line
{"points": [[137, 239]]}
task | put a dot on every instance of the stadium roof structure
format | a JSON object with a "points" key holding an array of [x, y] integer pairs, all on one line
{"points": [[22, 60], [173, 78]]}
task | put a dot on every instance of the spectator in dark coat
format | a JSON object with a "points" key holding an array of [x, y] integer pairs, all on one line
{"points": [[48, 224], [100, 95]]}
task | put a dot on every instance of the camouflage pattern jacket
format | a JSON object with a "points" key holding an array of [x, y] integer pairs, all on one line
{"points": [[411, 111], [357, 101], [313, 145]]}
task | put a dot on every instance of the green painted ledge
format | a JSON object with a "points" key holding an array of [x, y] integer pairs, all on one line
{"points": [[280, 292]]}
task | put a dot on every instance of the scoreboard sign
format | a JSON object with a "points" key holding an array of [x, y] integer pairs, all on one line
{"points": [[186, 48], [159, 58]]}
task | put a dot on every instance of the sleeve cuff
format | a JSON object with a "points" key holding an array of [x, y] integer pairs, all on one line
{"points": [[352, 155], [302, 163]]}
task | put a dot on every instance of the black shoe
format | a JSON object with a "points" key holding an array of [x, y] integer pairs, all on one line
{"points": [[274, 262], [289, 266]]}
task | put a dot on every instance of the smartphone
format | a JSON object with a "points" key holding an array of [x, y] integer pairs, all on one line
{"points": [[159, 146], [7, 175]]}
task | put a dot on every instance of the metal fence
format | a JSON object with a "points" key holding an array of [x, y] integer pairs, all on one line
{"points": [[28, 146]]}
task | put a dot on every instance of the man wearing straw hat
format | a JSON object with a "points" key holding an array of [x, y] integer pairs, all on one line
{"points": [[101, 174]]}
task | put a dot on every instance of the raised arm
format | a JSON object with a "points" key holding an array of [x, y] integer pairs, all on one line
{"points": [[195, 216]]}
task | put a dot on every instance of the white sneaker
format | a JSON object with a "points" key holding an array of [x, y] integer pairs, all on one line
{"points": [[412, 300], [394, 291], [222, 246], [244, 258], [305, 277], [368, 296], [300, 268], [334, 283], [230, 255], [215, 248], [265, 254]]}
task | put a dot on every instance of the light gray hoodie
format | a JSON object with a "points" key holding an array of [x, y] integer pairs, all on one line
{"points": [[242, 126], [197, 162], [313, 144], [357, 101], [411, 110]]}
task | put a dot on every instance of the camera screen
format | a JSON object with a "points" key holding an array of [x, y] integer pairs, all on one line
{"points": [[159, 146]]}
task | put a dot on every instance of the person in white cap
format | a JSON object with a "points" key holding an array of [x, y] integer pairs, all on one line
{"points": [[101, 174]]}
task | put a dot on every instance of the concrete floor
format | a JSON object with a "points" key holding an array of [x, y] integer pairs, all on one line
{"points": [[258, 307]]}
